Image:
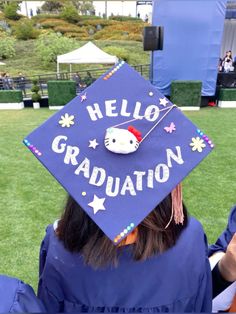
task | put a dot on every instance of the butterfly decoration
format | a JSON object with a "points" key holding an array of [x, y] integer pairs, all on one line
{"points": [[171, 128]]}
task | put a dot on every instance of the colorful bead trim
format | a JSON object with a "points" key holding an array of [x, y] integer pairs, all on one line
{"points": [[205, 138], [32, 148], [124, 233], [112, 72]]}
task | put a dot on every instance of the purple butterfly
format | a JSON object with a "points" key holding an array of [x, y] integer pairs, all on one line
{"points": [[171, 128]]}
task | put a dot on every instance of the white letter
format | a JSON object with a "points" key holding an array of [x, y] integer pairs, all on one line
{"points": [[84, 166], [165, 173], [71, 153], [137, 110], [155, 113], [128, 186], [123, 111], [55, 144], [139, 179], [94, 111], [176, 158], [110, 108], [150, 179], [94, 176], [110, 181]]}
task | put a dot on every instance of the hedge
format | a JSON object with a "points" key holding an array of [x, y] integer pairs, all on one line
{"points": [[186, 93], [60, 92], [11, 96], [227, 94]]}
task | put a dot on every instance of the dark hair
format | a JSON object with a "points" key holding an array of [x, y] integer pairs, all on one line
{"points": [[80, 234]]}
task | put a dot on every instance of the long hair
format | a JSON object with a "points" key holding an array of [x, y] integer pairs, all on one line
{"points": [[80, 234]]}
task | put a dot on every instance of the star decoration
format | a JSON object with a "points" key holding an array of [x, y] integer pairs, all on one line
{"points": [[66, 120], [163, 101], [97, 204], [197, 144], [83, 97], [93, 144]]}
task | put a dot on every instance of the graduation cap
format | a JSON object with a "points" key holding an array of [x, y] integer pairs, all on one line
{"points": [[119, 148]]}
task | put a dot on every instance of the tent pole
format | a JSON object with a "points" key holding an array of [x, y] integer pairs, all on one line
{"points": [[70, 69], [58, 68]]}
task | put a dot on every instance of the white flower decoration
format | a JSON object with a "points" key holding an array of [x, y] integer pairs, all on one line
{"points": [[197, 144], [66, 120]]}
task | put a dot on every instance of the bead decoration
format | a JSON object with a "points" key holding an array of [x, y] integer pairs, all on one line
{"points": [[124, 232], [112, 72], [32, 147], [205, 138]]}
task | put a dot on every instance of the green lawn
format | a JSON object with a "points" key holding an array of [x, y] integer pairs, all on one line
{"points": [[30, 198]]}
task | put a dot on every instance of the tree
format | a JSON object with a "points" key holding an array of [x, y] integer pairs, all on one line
{"points": [[10, 11], [85, 7], [6, 2], [50, 45], [26, 30], [52, 5], [70, 13], [7, 49]]}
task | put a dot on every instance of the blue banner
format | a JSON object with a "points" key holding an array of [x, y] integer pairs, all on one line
{"points": [[192, 39]]}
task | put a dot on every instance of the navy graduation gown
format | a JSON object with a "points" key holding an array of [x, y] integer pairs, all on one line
{"points": [[17, 297], [178, 280], [226, 236]]}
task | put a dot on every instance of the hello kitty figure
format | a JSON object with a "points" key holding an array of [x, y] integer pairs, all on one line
{"points": [[121, 141]]}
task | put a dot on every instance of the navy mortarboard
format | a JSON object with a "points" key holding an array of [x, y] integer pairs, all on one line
{"points": [[119, 148]]}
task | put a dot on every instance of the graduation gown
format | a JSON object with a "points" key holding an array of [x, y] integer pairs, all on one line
{"points": [[178, 280], [224, 239], [223, 301], [17, 297]]}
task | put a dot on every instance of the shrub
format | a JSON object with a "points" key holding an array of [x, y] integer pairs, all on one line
{"points": [[50, 45], [50, 22], [186, 93], [135, 37], [89, 17], [64, 28], [7, 49], [35, 89], [26, 30], [37, 18], [125, 18], [60, 92], [70, 14], [119, 52], [96, 21], [11, 96], [121, 31], [10, 11]]}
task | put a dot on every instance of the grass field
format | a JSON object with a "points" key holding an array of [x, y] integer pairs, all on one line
{"points": [[30, 198]]}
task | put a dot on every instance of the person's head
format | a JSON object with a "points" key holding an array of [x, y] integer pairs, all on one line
{"points": [[79, 233], [229, 54]]}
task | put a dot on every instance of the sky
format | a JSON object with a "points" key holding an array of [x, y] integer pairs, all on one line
{"points": [[115, 7]]}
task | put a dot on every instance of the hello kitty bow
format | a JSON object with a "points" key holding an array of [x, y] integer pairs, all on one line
{"points": [[127, 141]]}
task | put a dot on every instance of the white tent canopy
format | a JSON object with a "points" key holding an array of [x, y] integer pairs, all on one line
{"points": [[2, 63], [89, 53]]}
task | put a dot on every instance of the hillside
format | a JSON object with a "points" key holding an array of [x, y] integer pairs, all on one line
{"points": [[121, 36]]}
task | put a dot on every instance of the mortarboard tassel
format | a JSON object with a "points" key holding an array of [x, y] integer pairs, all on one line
{"points": [[177, 206]]}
